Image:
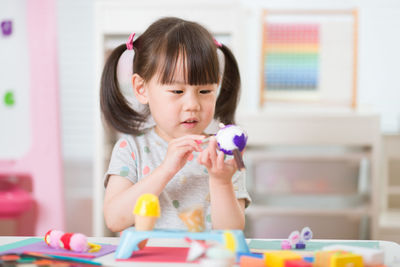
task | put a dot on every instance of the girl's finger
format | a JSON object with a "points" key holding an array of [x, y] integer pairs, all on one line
{"points": [[189, 137], [204, 156], [213, 154], [220, 160], [231, 162], [188, 142]]}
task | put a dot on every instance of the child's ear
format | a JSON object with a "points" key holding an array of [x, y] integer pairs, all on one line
{"points": [[138, 89]]}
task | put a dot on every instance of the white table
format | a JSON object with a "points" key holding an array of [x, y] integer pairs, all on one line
{"points": [[392, 250]]}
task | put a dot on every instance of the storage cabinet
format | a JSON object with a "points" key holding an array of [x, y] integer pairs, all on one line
{"points": [[389, 221], [316, 170]]}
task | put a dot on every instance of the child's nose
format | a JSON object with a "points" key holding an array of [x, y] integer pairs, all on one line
{"points": [[191, 102]]}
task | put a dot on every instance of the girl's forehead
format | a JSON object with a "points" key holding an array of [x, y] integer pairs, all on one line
{"points": [[188, 68], [178, 71]]}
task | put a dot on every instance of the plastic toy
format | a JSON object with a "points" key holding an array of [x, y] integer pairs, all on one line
{"points": [[196, 249], [279, 257], [147, 210], [371, 256], [297, 239], [232, 140], [293, 238], [305, 235], [193, 218], [248, 261], [131, 238], [71, 241]]}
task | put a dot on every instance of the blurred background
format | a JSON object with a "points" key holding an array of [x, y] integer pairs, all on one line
{"points": [[320, 101]]}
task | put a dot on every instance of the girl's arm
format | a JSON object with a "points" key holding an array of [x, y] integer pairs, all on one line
{"points": [[227, 212], [121, 194]]}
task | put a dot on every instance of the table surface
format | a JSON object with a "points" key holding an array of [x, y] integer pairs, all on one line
{"points": [[391, 249]]}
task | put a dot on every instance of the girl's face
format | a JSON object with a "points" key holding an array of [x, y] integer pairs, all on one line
{"points": [[180, 109]]}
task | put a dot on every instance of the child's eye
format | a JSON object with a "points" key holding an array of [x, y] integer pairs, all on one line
{"points": [[176, 91], [205, 91]]}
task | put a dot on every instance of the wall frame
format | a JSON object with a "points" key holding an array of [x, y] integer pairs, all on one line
{"points": [[309, 56]]}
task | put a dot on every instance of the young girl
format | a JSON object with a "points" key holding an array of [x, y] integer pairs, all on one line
{"points": [[176, 76]]}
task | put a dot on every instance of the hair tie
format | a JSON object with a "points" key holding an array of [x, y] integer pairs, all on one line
{"points": [[218, 44], [129, 44]]}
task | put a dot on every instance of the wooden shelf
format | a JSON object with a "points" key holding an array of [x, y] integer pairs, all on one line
{"points": [[390, 219], [260, 210], [394, 190]]}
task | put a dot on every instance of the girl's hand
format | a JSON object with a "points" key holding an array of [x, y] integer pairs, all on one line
{"points": [[179, 151], [217, 167]]}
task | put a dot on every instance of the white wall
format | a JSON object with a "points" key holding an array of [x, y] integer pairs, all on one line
{"points": [[379, 83], [76, 75]]}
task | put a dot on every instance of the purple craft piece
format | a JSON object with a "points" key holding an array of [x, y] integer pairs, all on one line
{"points": [[226, 152], [240, 141], [300, 245], [6, 27]]}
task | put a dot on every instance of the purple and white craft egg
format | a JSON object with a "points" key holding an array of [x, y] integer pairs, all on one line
{"points": [[231, 137]]}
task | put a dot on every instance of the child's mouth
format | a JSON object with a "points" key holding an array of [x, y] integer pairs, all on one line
{"points": [[190, 123]]}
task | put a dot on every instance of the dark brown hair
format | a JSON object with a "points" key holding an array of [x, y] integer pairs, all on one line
{"points": [[157, 51]]}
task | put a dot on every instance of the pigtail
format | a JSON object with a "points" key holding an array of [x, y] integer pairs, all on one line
{"points": [[230, 88], [116, 110]]}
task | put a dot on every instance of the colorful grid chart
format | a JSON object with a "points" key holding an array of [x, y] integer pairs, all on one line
{"points": [[291, 56]]}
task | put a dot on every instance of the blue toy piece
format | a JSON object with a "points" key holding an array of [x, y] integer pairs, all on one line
{"points": [[131, 238]]}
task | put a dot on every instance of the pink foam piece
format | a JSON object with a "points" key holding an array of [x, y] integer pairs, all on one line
{"points": [[78, 242]]}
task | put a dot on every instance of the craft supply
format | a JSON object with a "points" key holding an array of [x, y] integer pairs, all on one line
{"points": [[260, 246], [293, 239], [348, 259], [216, 262], [278, 258], [286, 244], [232, 140], [298, 263], [130, 238], [219, 256], [147, 210], [248, 261], [305, 235], [38, 245], [70, 241], [196, 249], [254, 255], [64, 258], [52, 238], [158, 254], [371, 256], [193, 218]]}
